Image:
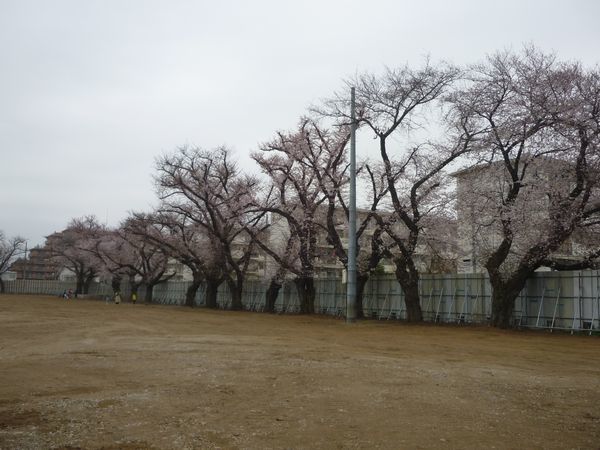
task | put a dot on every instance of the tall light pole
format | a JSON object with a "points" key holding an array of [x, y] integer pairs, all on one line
{"points": [[351, 286]]}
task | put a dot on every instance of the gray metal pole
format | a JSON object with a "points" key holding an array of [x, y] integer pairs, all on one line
{"points": [[351, 293]]}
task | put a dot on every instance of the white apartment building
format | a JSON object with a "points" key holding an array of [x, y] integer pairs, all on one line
{"points": [[479, 197]]}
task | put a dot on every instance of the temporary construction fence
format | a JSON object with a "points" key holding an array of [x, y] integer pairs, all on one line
{"points": [[52, 287], [551, 300]]}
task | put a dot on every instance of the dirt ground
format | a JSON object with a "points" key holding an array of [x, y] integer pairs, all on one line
{"points": [[87, 374]]}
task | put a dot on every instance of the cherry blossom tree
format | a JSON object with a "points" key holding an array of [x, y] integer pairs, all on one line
{"points": [[127, 252], [72, 248], [391, 106], [119, 260], [208, 189], [10, 249], [321, 153], [107, 270], [188, 243], [539, 119], [148, 261], [372, 243], [296, 163], [286, 249]]}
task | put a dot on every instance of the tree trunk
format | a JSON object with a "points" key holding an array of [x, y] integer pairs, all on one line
{"points": [[148, 295], [134, 287], [87, 282], [80, 283], [361, 282], [1, 285], [190, 293], [271, 296], [115, 283], [408, 277], [235, 289], [504, 295], [212, 288], [413, 303], [306, 294]]}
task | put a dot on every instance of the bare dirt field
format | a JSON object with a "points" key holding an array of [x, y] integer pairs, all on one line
{"points": [[86, 374]]}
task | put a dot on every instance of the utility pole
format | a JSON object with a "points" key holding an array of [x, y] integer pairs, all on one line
{"points": [[351, 293]]}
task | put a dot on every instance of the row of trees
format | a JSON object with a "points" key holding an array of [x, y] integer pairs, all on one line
{"points": [[528, 119]]}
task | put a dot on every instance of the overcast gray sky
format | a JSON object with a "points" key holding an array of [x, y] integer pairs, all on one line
{"points": [[92, 91]]}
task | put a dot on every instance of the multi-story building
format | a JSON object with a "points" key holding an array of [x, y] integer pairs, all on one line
{"points": [[434, 254], [38, 265], [480, 192]]}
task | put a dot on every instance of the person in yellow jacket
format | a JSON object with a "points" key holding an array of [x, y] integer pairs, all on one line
{"points": [[133, 298]]}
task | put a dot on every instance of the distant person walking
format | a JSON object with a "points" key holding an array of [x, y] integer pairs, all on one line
{"points": [[133, 298], [117, 298]]}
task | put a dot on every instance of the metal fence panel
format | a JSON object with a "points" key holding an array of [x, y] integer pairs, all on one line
{"points": [[550, 300]]}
